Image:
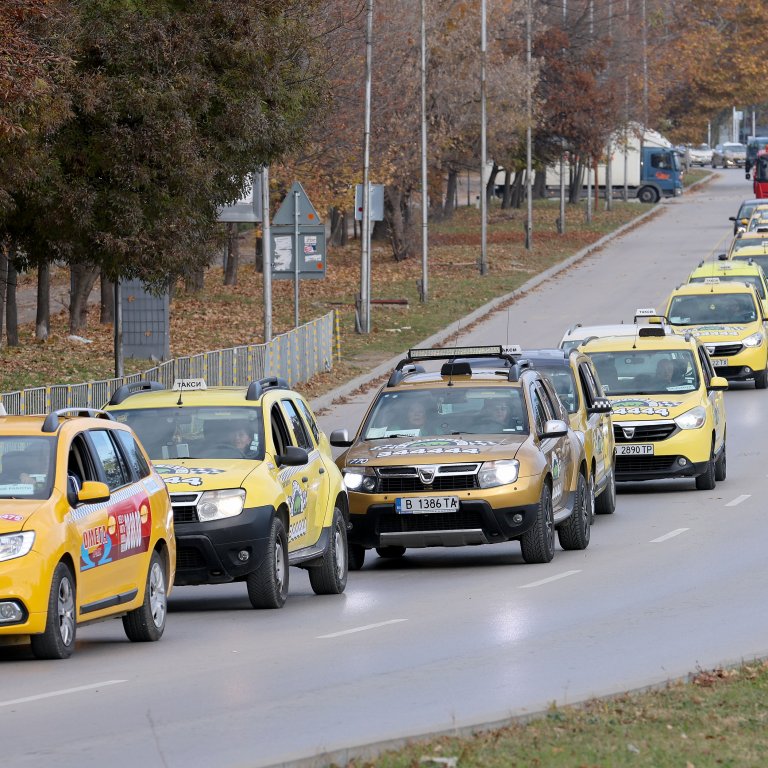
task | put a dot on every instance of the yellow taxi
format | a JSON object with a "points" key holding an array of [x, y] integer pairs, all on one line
{"points": [[740, 271], [668, 406], [86, 531], [462, 455], [753, 245], [727, 317], [578, 387], [253, 483]]}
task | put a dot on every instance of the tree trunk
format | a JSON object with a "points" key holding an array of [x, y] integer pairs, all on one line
{"points": [[3, 286], [194, 281], [233, 255], [517, 189], [574, 188], [259, 254], [393, 216], [107, 310], [450, 193], [82, 279], [336, 216], [506, 200], [43, 312], [540, 185], [490, 187], [11, 310]]}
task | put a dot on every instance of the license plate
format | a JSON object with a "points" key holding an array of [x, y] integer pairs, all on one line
{"points": [[632, 449], [417, 505], [719, 362]]}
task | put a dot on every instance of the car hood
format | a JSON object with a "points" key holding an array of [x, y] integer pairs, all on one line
{"points": [[15, 514], [204, 474], [663, 406], [722, 332], [428, 450]]}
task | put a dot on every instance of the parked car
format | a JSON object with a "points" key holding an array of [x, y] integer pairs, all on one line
{"points": [[729, 155], [700, 155]]}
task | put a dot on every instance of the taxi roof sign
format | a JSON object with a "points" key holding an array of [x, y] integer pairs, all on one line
{"points": [[711, 279], [188, 385], [645, 312]]}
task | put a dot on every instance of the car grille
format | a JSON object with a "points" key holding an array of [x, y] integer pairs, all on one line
{"points": [[724, 350], [188, 557], [646, 433], [447, 477], [438, 521], [185, 507], [643, 463]]}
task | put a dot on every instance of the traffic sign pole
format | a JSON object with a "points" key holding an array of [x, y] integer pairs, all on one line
{"points": [[296, 258]]}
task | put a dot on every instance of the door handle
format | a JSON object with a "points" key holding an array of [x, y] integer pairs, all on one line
{"points": [[304, 479]]}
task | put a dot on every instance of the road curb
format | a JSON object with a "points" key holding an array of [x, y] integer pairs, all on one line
{"points": [[325, 401]]}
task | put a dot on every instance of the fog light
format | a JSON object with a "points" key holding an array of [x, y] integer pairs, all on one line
{"points": [[682, 461], [243, 555], [10, 612], [518, 518], [746, 370]]}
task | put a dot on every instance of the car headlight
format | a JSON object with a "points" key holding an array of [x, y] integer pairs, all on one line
{"points": [[360, 479], [693, 419], [495, 473], [13, 545], [216, 505], [755, 340]]}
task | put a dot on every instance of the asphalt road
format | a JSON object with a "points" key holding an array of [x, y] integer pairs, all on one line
{"points": [[442, 639]]}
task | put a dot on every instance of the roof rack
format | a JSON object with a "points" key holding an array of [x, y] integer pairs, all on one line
{"points": [[401, 372], [124, 392], [52, 420], [256, 388]]}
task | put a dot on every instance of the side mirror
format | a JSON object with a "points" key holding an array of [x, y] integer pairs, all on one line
{"points": [[340, 438], [293, 457], [731, 218], [717, 383], [555, 428], [600, 405], [93, 492], [722, 257]]}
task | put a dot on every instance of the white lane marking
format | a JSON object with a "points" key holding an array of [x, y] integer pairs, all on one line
{"points": [[62, 692], [739, 499], [361, 629], [559, 576], [670, 535]]}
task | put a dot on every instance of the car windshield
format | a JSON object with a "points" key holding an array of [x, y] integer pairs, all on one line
{"points": [[750, 242], [26, 467], [190, 432], [734, 148], [646, 372], [447, 411], [718, 308], [761, 261], [752, 280], [564, 383]]}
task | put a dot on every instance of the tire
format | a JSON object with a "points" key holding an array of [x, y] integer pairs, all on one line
{"points": [[268, 584], [330, 578], [146, 623], [356, 556], [761, 379], [591, 497], [647, 195], [538, 542], [706, 480], [575, 531], [721, 466], [58, 639], [605, 503], [391, 553]]}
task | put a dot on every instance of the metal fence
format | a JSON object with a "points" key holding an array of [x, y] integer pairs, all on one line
{"points": [[296, 356]]}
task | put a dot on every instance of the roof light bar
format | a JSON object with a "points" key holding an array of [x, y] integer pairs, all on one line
{"points": [[438, 353]]}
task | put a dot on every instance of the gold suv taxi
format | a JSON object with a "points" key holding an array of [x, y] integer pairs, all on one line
{"points": [[668, 406], [727, 317], [460, 455], [86, 530], [253, 484]]}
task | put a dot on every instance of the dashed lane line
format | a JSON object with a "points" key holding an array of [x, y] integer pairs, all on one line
{"points": [[563, 575], [364, 628], [739, 499], [62, 692], [670, 535]]}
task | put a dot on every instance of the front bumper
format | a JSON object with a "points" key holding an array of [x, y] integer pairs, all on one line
{"points": [[630, 468], [26, 582], [210, 553], [744, 364]]}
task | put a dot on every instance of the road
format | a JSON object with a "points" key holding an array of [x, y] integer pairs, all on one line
{"points": [[442, 639]]}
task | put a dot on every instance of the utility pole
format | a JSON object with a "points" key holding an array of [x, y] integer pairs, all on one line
{"points": [[528, 138], [266, 254], [365, 247], [483, 150], [424, 293]]}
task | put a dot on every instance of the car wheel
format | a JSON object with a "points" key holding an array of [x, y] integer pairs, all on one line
{"points": [[591, 497], [761, 379], [538, 542], [268, 584], [605, 503], [390, 552], [647, 195], [706, 480], [720, 466], [575, 531], [356, 556], [147, 622], [58, 639], [330, 578]]}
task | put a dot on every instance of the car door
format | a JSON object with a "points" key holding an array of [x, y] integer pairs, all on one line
{"points": [[556, 450], [599, 423], [716, 398]]}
